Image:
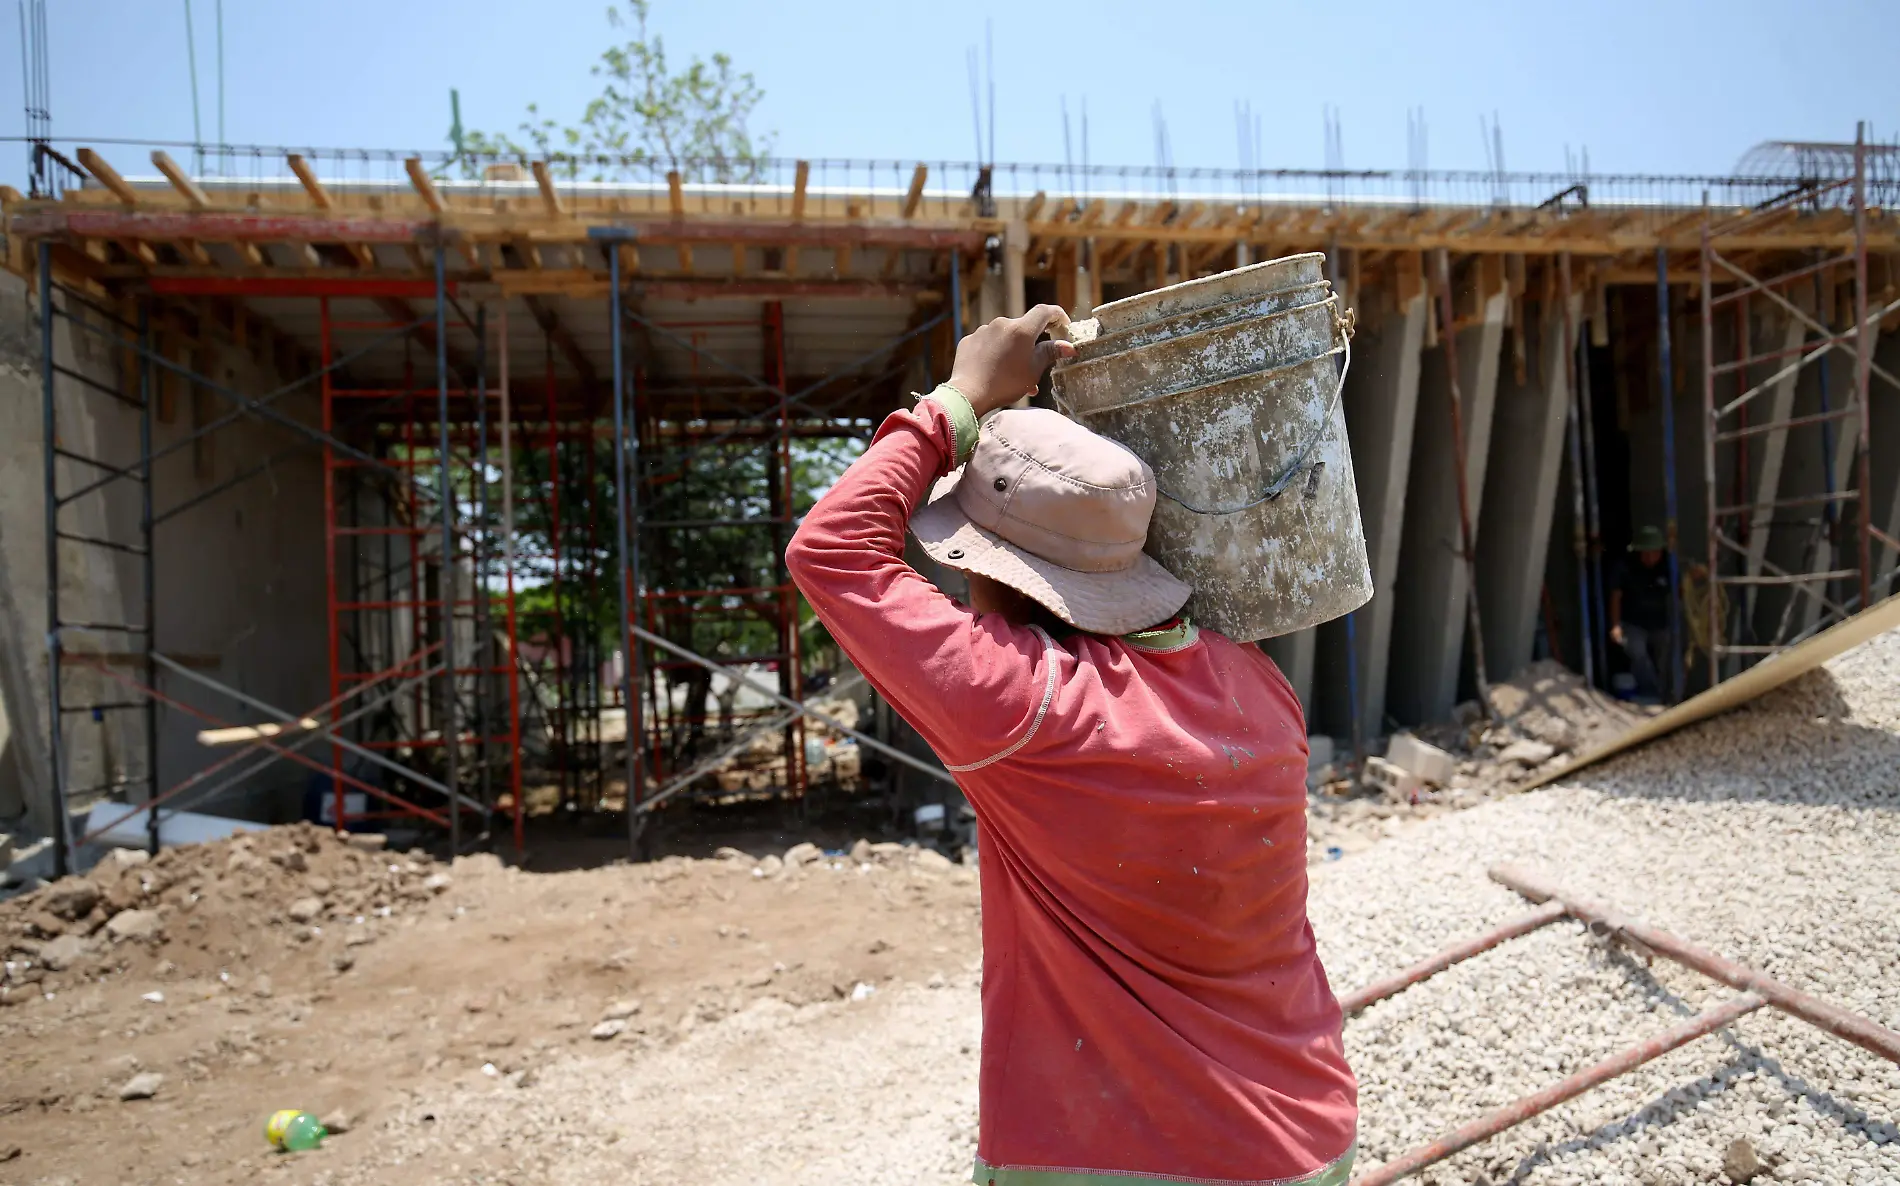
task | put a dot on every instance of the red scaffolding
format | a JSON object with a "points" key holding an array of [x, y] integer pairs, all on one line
{"points": [[378, 609]]}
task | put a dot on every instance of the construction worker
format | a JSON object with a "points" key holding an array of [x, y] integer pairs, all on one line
{"points": [[1639, 611], [1154, 1009]]}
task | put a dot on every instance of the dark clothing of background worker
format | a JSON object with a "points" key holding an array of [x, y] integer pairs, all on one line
{"points": [[1639, 610]]}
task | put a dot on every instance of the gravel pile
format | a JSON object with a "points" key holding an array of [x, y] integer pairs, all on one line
{"points": [[1771, 835]]}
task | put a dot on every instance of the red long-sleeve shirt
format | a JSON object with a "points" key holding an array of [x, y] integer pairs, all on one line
{"points": [[1153, 1004]]}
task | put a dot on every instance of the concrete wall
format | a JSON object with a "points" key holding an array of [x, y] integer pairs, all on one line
{"points": [[239, 577]]}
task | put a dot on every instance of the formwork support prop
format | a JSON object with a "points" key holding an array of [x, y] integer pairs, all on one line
{"points": [[1758, 989]]}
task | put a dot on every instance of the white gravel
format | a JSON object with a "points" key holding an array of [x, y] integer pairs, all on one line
{"points": [[1771, 835]]}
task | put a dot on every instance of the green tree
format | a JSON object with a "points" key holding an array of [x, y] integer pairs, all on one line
{"points": [[648, 115]]}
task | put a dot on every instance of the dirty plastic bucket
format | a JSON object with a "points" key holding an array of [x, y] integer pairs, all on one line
{"points": [[1228, 387]]}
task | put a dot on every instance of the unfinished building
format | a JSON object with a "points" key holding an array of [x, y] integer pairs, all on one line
{"points": [[336, 481]]}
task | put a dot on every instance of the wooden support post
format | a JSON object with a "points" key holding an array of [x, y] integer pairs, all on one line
{"points": [[915, 198], [419, 178], [550, 198], [108, 177]]}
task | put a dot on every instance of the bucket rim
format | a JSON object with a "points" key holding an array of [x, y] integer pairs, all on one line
{"points": [[1261, 374], [1154, 295], [1203, 311], [1082, 365]]}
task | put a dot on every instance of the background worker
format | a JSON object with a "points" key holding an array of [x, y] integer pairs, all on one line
{"points": [[1639, 610], [1153, 1004]]}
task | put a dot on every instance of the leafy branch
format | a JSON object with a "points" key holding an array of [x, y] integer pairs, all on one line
{"points": [[696, 120]]}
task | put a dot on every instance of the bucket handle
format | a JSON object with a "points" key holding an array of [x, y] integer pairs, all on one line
{"points": [[1344, 323]]}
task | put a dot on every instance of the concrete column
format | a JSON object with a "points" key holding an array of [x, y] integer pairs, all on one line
{"points": [[989, 300], [1428, 628], [1381, 402], [1527, 450], [1886, 467], [1015, 244], [1294, 653]]}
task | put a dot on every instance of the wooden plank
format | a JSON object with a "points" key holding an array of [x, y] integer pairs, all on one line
{"points": [[529, 253], [108, 177], [915, 197], [419, 178], [800, 176], [181, 181], [1034, 206], [241, 734], [675, 194], [686, 257], [550, 197], [1092, 214], [1765, 676], [319, 196]]}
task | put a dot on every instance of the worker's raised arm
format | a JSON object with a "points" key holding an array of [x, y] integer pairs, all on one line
{"points": [[973, 685]]}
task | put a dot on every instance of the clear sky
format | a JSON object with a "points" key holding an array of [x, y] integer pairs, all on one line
{"points": [[1646, 85]]}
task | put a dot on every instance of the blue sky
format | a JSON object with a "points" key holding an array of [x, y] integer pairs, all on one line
{"points": [[1656, 86]]}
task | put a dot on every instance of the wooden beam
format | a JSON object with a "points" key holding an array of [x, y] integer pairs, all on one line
{"points": [[419, 178], [800, 176], [1093, 213], [321, 199], [319, 196], [841, 260], [549, 196], [529, 253], [686, 257], [181, 181], [675, 195], [108, 177], [915, 198], [1034, 206], [550, 323]]}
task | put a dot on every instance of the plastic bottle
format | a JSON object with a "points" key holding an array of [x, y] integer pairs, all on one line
{"points": [[294, 1131]]}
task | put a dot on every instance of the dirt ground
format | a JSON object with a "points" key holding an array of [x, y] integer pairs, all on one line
{"points": [[448, 1019], [291, 970]]}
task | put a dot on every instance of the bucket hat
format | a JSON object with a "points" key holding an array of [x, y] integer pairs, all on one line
{"points": [[1051, 509], [1648, 539]]}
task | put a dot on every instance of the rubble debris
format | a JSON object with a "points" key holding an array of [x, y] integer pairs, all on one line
{"points": [[1425, 761]]}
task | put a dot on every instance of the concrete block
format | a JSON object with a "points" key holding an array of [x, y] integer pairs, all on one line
{"points": [[1398, 783], [1428, 762]]}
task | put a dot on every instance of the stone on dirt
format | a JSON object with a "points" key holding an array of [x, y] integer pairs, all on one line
{"points": [[138, 925], [305, 910], [70, 898], [620, 1010], [142, 1086], [803, 854], [64, 952], [606, 1031]]}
